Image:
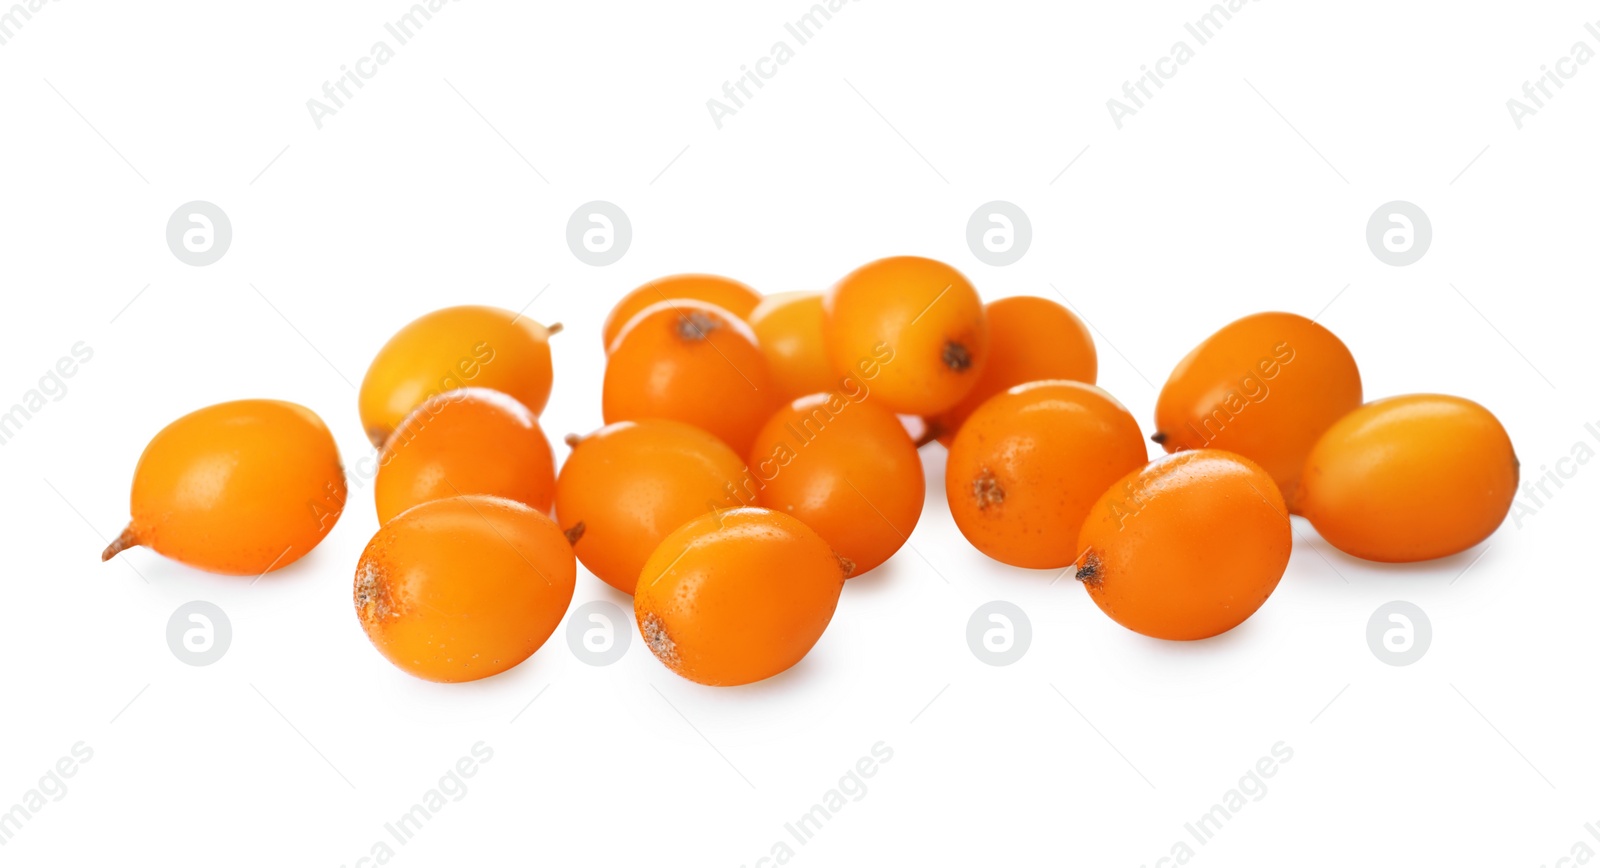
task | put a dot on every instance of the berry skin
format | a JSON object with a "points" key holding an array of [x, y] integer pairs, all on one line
{"points": [[914, 327], [1186, 547], [469, 441], [738, 596], [239, 488], [1264, 387], [1410, 479], [1030, 339], [1028, 464], [724, 292], [848, 470], [472, 345], [789, 328], [628, 485], [464, 588], [694, 363]]}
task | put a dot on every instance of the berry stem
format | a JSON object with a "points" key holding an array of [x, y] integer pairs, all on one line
{"points": [[1089, 568], [930, 432], [126, 540]]}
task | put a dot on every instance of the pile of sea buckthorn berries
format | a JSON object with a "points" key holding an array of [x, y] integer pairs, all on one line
{"points": [[760, 452]]}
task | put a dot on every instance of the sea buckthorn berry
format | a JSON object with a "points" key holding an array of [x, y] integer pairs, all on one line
{"points": [[737, 596], [1410, 479], [724, 292], [1264, 387], [628, 485], [239, 488], [469, 441], [465, 587], [914, 327], [789, 328], [1186, 547], [692, 362], [1028, 463], [847, 469], [1030, 339], [471, 345]]}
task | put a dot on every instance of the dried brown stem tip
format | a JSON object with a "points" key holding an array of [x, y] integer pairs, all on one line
{"points": [[696, 325], [1089, 573], [572, 440], [846, 564], [575, 533], [126, 540], [553, 329], [1159, 437], [986, 490], [956, 357]]}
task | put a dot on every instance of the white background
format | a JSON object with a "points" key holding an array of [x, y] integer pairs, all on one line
{"points": [[1099, 745]]}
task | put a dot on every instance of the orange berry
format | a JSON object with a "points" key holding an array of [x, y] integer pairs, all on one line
{"points": [[1186, 547], [738, 596], [724, 292], [628, 485], [1264, 387], [693, 362], [239, 488], [848, 470], [1410, 479], [789, 329], [472, 345], [914, 327], [1025, 468], [463, 588], [469, 441], [1030, 339]]}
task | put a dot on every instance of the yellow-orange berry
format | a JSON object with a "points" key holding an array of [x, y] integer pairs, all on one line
{"points": [[1410, 478], [469, 441], [240, 488], [914, 327], [471, 345], [737, 596], [1186, 547], [465, 587], [1028, 463], [848, 470], [628, 485]]}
